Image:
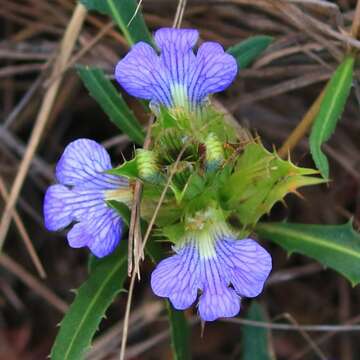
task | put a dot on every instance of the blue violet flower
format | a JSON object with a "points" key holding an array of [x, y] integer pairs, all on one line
{"points": [[212, 260], [210, 263], [177, 77], [80, 197]]}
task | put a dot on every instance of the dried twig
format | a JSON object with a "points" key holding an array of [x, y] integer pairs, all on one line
{"points": [[24, 234], [146, 237], [283, 87], [331, 331], [134, 238], [179, 13], [302, 128], [138, 349], [33, 283], [303, 333], [355, 28], [85, 49], [67, 45], [290, 327], [139, 318]]}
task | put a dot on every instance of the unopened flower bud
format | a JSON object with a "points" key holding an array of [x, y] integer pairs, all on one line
{"points": [[214, 152], [148, 167]]}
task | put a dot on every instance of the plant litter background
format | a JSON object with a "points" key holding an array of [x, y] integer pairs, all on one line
{"points": [[306, 311]]}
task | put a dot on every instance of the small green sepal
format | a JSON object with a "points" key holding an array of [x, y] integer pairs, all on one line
{"points": [[128, 169], [214, 152], [148, 167]]}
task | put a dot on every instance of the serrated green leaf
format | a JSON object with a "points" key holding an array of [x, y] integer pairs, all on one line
{"points": [[122, 12], [336, 246], [110, 100], [256, 340], [92, 300], [128, 169], [247, 51], [330, 111], [261, 179]]}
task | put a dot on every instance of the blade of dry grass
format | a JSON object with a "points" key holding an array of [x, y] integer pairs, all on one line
{"points": [[66, 48], [302, 128], [24, 234], [34, 284]]}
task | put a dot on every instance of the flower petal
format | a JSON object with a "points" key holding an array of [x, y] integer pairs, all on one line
{"points": [[215, 70], [57, 209], [176, 53], [101, 232], [62, 205], [217, 300], [249, 262], [183, 39], [177, 278], [142, 74], [84, 162], [99, 227]]}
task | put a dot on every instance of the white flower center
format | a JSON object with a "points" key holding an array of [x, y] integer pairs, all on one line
{"points": [[122, 194], [204, 229], [179, 95]]}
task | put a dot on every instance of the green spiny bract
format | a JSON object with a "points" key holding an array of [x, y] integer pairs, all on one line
{"points": [[217, 170]]}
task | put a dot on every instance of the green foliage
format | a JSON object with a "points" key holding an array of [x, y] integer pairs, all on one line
{"points": [[122, 210], [179, 329], [261, 179], [128, 169], [143, 166], [256, 340], [106, 95], [336, 246], [126, 16], [330, 111], [247, 51], [92, 300], [248, 181], [179, 333]]}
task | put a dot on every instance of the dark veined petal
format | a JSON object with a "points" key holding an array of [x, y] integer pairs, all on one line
{"points": [[177, 77], [217, 299], [58, 212], [62, 205], [249, 265], [99, 227], [84, 163], [238, 268], [177, 55], [222, 303], [80, 198], [100, 232], [183, 39], [214, 71], [142, 75], [177, 278]]}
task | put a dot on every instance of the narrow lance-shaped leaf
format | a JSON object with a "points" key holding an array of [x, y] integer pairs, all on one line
{"points": [[336, 246], [256, 340], [330, 111], [92, 300], [179, 329], [126, 15], [247, 51], [104, 92]]}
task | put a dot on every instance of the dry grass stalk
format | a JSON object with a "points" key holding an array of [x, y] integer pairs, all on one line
{"points": [[66, 48]]}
